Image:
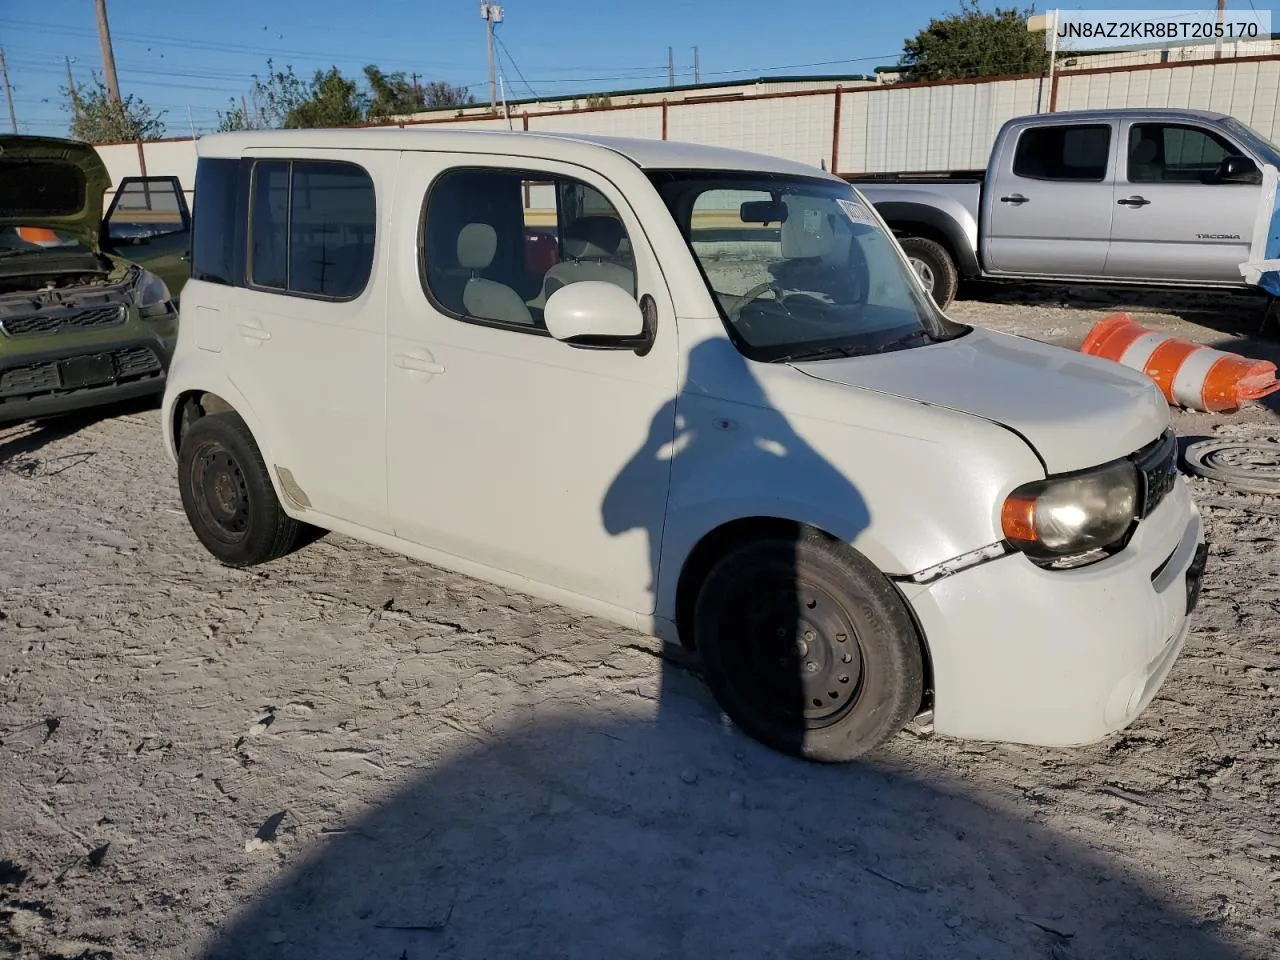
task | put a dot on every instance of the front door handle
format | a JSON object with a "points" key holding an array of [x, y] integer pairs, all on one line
{"points": [[414, 364], [1133, 202], [1017, 198]]}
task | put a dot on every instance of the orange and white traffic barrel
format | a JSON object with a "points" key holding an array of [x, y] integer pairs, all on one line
{"points": [[1189, 374]]}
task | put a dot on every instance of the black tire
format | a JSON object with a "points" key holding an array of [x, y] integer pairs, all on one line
{"points": [[227, 494], [758, 646], [939, 265]]}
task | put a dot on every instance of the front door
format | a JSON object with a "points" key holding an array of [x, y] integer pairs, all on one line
{"points": [[1173, 220], [507, 447], [148, 223], [1047, 206]]}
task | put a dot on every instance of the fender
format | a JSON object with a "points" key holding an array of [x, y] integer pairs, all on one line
{"points": [[198, 371], [961, 246]]}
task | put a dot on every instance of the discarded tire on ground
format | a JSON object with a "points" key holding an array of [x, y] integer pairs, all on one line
{"points": [[1252, 466]]}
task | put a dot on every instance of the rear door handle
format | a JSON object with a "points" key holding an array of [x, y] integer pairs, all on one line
{"points": [[252, 331], [414, 364], [1016, 198], [1133, 202]]}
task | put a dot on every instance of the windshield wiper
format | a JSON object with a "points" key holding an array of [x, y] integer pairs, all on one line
{"points": [[817, 353], [905, 338]]}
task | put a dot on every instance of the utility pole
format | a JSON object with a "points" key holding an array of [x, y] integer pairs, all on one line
{"points": [[8, 92], [1217, 43], [417, 90], [697, 67], [671, 68], [71, 89], [108, 58], [492, 14]]}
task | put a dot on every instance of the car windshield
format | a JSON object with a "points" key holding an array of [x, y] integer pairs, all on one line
{"points": [[800, 268], [1268, 151], [23, 239]]}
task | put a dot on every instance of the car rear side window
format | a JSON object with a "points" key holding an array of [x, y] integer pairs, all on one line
{"points": [[312, 228], [1075, 152], [217, 244]]}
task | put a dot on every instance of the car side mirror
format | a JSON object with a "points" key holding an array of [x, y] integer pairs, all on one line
{"points": [[1238, 170], [597, 315]]}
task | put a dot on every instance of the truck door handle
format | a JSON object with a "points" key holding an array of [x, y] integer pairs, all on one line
{"points": [[414, 364], [1133, 202], [1016, 198]]}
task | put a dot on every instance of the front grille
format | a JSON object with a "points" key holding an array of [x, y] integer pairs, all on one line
{"points": [[1158, 467], [127, 364], [61, 319]]}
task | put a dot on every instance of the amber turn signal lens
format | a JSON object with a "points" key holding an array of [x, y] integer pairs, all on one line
{"points": [[1018, 519]]}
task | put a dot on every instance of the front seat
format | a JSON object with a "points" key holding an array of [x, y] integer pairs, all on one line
{"points": [[591, 245], [1143, 163], [481, 298]]}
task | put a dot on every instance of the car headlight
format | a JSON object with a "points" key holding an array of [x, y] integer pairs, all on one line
{"points": [[152, 297], [1073, 514]]}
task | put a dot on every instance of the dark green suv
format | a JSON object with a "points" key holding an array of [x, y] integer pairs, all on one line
{"points": [[88, 303]]}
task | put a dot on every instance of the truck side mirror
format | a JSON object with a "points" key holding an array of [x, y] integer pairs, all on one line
{"points": [[1237, 170]]}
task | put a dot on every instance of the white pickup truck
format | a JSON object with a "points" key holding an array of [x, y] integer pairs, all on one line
{"points": [[1151, 197]]}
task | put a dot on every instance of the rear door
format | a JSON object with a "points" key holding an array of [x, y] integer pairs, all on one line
{"points": [[1048, 207], [1173, 220], [149, 223]]}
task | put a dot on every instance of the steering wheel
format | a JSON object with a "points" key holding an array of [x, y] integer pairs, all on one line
{"points": [[754, 294]]}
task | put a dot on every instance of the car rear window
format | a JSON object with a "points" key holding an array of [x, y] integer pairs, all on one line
{"points": [[38, 189]]}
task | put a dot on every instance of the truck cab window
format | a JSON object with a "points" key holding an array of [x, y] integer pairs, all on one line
{"points": [[1168, 153], [1063, 152]]}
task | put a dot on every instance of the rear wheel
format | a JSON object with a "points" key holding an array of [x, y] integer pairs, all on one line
{"points": [[808, 648], [934, 266], [227, 494]]}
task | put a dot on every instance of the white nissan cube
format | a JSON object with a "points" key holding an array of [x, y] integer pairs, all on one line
{"points": [[697, 392]]}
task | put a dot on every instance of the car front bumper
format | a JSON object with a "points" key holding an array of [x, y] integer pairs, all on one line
{"points": [[1063, 657], [57, 382]]}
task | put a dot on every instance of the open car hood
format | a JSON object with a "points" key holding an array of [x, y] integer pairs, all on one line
{"points": [[1075, 410], [53, 183]]}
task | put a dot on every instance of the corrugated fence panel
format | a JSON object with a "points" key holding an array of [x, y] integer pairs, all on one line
{"points": [[1248, 91], [945, 127], [797, 128], [644, 121]]}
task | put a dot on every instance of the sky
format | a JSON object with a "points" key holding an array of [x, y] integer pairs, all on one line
{"points": [[189, 59]]}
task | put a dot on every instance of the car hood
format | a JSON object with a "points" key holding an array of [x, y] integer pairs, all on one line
{"points": [[54, 183], [1075, 411]]}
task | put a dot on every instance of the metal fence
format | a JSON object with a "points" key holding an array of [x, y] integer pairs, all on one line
{"points": [[862, 129]]}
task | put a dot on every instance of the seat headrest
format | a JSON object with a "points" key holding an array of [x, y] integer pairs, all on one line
{"points": [[477, 243], [1145, 151], [593, 236]]}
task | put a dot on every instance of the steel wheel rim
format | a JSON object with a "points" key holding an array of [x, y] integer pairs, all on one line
{"points": [[220, 492], [924, 272], [793, 650]]}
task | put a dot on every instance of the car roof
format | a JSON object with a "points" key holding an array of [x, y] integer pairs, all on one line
{"points": [[649, 154], [1122, 113]]}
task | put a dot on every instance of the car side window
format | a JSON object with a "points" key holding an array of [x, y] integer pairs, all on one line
{"points": [[146, 207], [312, 226], [1064, 152], [496, 244], [1169, 153]]}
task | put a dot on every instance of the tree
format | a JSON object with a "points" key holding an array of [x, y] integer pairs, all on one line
{"points": [[975, 44], [97, 118], [329, 99]]}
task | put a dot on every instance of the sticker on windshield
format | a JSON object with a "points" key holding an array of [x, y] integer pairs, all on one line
{"points": [[857, 212]]}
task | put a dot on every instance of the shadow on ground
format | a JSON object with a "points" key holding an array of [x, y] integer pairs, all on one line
{"points": [[21, 442], [576, 833]]}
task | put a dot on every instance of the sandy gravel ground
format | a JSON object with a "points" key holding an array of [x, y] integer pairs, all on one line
{"points": [[346, 754]]}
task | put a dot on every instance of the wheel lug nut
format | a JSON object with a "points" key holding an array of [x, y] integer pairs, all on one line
{"points": [[811, 667], [808, 634]]}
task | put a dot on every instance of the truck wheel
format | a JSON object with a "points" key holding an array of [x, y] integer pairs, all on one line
{"points": [[935, 268], [808, 648], [227, 494]]}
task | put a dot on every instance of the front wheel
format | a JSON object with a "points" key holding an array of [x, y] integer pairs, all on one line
{"points": [[808, 648], [935, 268], [227, 494]]}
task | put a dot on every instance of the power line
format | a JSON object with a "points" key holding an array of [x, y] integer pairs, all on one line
{"points": [[514, 65]]}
